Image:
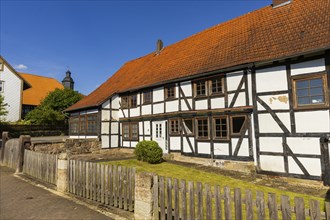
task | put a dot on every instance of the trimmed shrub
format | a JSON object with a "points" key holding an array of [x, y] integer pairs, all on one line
{"points": [[148, 151]]}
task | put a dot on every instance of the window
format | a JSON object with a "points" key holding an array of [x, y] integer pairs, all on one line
{"points": [[189, 126], [310, 91], [216, 85], [200, 88], [92, 124], [174, 126], [82, 124], [170, 92], [202, 128], [130, 131], [237, 123], [147, 97], [74, 125], [124, 101], [220, 128], [133, 101], [2, 86]]}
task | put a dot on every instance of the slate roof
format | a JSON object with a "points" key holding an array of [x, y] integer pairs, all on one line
{"points": [[266, 34], [40, 87]]}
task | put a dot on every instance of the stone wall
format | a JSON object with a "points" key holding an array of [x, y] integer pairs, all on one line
{"points": [[70, 146]]}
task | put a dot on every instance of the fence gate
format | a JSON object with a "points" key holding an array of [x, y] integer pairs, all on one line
{"points": [[325, 160]]}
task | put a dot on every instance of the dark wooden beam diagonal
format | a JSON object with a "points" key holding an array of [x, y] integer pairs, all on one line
{"points": [[184, 98], [188, 140], [291, 154], [122, 109], [239, 88], [273, 114], [241, 137]]}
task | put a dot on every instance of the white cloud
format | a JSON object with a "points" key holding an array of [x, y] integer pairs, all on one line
{"points": [[21, 67]]}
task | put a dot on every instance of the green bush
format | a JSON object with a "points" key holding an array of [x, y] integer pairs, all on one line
{"points": [[148, 151]]}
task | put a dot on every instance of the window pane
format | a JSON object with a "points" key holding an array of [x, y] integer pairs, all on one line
{"points": [[220, 128], [216, 85], [124, 102], [316, 83], [237, 124], [134, 131], [202, 126], [302, 92], [317, 99], [126, 131], [303, 101], [147, 97], [302, 84], [316, 91], [133, 101], [200, 88]]}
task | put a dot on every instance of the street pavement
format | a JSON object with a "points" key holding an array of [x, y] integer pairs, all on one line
{"points": [[22, 200]]}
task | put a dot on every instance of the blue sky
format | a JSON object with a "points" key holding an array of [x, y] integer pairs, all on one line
{"points": [[95, 38]]}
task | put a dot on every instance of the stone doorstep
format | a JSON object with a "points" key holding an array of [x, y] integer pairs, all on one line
{"points": [[111, 212]]}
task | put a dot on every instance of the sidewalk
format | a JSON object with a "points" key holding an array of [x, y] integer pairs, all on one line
{"points": [[21, 200]]}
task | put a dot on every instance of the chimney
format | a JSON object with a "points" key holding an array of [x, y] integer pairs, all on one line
{"points": [[279, 3], [159, 46]]}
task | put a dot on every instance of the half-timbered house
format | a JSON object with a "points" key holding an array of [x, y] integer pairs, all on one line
{"points": [[252, 89]]}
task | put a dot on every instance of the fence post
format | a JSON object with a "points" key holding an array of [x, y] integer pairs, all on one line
{"points": [[62, 173], [325, 160], [4, 140], [143, 204], [24, 143]]}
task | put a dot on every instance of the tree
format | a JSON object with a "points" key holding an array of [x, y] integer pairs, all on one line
{"points": [[50, 111], [3, 110]]}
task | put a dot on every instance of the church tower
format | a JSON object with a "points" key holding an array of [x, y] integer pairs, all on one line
{"points": [[68, 81]]}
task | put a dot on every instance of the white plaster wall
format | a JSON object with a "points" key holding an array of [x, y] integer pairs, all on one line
{"points": [[204, 148], [221, 149], [146, 109], [314, 121], [240, 101], [115, 115], [172, 106], [115, 102], [271, 79], [105, 115], [308, 67], [271, 144], [312, 165], [186, 147], [120, 114], [244, 149], [158, 94], [175, 143], [233, 80], [184, 106], [134, 143], [134, 112], [217, 103], [147, 138], [12, 94], [268, 125], [105, 128], [147, 127], [105, 141], [106, 104], [304, 145], [114, 141], [186, 88], [275, 101], [114, 128], [125, 143], [272, 163], [201, 104], [125, 113], [158, 108]]}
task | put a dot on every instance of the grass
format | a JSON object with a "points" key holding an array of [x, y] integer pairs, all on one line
{"points": [[189, 174]]}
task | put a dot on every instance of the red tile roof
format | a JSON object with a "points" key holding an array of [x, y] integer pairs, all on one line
{"points": [[41, 86], [265, 34]]}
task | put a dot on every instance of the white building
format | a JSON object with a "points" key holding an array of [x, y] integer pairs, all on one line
{"points": [[252, 89]]}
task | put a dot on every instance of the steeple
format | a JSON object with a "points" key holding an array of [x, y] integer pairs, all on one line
{"points": [[68, 81]]}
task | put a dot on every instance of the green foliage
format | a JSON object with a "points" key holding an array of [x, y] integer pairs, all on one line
{"points": [[3, 110], [50, 111], [148, 151]]}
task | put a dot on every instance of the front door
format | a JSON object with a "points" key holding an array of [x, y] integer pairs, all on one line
{"points": [[159, 134]]}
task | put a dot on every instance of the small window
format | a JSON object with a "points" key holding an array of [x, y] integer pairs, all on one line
{"points": [[170, 92], [92, 124], [130, 131], [126, 132], [82, 124], [310, 91], [74, 125], [237, 123], [202, 128], [216, 85], [134, 131], [200, 88], [189, 126], [147, 97], [2, 86], [124, 101], [220, 128], [133, 101], [174, 126]]}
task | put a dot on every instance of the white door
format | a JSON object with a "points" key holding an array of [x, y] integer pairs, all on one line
{"points": [[159, 134]]}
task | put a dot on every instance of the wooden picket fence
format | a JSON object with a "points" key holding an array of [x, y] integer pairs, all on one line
{"points": [[41, 166], [109, 185], [174, 199], [11, 152]]}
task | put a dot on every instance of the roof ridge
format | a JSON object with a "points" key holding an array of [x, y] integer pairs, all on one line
{"points": [[37, 75]]}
